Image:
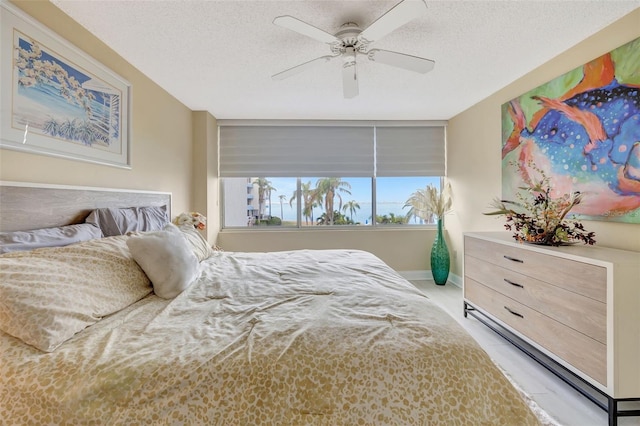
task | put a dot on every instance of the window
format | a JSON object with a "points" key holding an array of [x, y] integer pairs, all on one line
{"points": [[361, 173], [259, 202], [391, 195], [336, 200]]}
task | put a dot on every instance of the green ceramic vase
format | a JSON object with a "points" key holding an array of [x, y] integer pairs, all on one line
{"points": [[440, 261]]}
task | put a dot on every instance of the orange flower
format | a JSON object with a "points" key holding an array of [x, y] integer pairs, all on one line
{"points": [[195, 219]]}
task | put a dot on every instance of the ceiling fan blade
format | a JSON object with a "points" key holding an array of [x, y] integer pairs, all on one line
{"points": [[303, 28], [397, 16], [302, 67], [349, 74], [401, 60]]}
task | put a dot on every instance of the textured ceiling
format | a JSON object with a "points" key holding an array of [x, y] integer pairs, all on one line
{"points": [[219, 55]]}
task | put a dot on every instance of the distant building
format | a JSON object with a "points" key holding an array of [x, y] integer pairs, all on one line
{"points": [[240, 202]]}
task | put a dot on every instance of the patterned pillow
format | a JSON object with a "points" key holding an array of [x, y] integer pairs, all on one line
{"points": [[47, 295]]}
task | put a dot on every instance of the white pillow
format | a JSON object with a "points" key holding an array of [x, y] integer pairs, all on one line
{"points": [[199, 245], [167, 259]]}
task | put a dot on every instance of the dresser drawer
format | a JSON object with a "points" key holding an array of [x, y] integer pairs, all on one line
{"points": [[584, 353], [581, 313], [577, 277]]}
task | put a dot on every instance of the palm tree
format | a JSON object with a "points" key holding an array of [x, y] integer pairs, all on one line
{"points": [[328, 189], [85, 132], [282, 198], [269, 189], [51, 127], [309, 200], [264, 192], [68, 128], [352, 206]]}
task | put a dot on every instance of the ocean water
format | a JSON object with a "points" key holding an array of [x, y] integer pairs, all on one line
{"points": [[37, 104], [362, 215]]}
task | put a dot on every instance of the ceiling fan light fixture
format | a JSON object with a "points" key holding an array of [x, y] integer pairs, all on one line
{"points": [[349, 56], [349, 74], [349, 77]]}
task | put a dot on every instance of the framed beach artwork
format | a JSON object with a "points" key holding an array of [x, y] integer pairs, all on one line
{"points": [[582, 131], [57, 100]]}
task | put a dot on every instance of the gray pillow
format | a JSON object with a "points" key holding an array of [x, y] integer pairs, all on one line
{"points": [[119, 221], [47, 237]]}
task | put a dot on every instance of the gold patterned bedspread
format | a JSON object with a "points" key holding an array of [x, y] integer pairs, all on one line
{"points": [[331, 337]]}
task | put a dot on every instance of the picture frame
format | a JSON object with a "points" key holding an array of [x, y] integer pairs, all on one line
{"points": [[57, 100], [581, 130]]}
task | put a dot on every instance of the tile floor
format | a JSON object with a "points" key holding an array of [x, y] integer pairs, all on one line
{"points": [[554, 396]]}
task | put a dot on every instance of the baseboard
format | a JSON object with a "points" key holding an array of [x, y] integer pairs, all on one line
{"points": [[426, 275], [416, 275], [455, 280]]}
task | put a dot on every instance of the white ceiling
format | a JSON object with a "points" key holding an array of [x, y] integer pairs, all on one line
{"points": [[219, 55]]}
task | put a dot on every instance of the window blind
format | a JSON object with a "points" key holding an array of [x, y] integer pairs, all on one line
{"points": [[410, 151], [294, 151], [332, 151]]}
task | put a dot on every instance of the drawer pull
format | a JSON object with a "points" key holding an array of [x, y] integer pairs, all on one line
{"points": [[514, 313], [513, 259], [513, 284]]}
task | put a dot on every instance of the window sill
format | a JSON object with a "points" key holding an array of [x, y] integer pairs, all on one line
{"points": [[310, 229]]}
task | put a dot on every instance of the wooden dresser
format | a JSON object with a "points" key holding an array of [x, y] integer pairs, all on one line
{"points": [[578, 305]]}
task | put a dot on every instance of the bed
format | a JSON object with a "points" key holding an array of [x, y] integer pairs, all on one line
{"points": [[307, 337]]}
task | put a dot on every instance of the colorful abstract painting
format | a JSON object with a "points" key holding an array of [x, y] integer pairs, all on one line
{"points": [[582, 129]]}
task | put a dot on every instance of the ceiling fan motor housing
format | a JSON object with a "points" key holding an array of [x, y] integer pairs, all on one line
{"points": [[348, 38]]}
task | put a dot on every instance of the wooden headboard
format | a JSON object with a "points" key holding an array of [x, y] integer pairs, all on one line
{"points": [[25, 206]]}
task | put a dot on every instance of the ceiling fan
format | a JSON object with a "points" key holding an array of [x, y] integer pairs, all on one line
{"points": [[350, 41]]}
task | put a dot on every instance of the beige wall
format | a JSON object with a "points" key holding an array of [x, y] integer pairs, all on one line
{"points": [[402, 249], [161, 137], [474, 145], [205, 171]]}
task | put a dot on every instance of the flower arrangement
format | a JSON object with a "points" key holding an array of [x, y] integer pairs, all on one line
{"points": [[193, 218], [540, 219], [428, 202]]}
